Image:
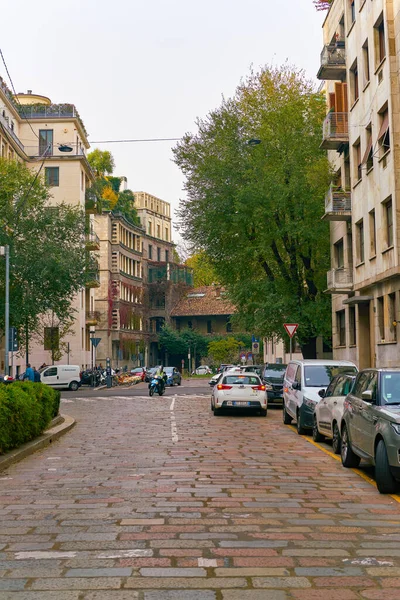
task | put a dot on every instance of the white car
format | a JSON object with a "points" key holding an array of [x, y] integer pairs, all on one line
{"points": [[215, 378], [202, 370], [329, 410], [239, 390]]}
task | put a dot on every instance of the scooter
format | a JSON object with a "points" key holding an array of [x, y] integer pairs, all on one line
{"points": [[155, 385]]}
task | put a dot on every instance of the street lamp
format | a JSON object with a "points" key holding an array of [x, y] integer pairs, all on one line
{"points": [[5, 251]]}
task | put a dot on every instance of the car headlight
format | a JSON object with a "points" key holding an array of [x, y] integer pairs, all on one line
{"points": [[310, 403], [396, 427]]}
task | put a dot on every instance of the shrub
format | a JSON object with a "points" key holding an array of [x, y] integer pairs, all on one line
{"points": [[26, 409]]}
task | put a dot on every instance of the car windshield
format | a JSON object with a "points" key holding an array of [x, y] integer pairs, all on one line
{"points": [[277, 372], [321, 375], [169, 370], [137, 370], [242, 380], [391, 387]]}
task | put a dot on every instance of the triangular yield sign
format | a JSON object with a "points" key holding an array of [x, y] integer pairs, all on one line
{"points": [[291, 328]]}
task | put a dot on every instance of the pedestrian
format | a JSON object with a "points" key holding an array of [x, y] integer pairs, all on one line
{"points": [[29, 374], [36, 375]]}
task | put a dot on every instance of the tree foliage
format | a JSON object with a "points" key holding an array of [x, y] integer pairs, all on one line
{"points": [[102, 162], [225, 350], [203, 271], [47, 255], [255, 208]]}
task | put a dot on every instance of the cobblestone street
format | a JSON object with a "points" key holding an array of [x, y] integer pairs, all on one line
{"points": [[157, 499]]}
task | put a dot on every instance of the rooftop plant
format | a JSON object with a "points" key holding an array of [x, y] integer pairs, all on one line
{"points": [[322, 4]]}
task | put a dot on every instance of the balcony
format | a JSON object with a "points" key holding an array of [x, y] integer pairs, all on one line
{"points": [[337, 205], [92, 241], [5, 121], [92, 274], [51, 111], [340, 281], [333, 62], [335, 131], [92, 318]]}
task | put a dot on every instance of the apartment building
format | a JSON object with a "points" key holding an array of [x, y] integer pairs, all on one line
{"points": [[31, 128], [120, 301], [360, 67]]}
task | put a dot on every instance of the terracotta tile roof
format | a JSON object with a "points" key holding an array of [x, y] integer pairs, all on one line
{"points": [[203, 301]]}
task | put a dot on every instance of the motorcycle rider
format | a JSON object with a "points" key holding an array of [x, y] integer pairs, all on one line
{"points": [[161, 377]]}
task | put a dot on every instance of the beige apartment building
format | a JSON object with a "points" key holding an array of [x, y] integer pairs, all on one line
{"points": [[31, 128], [360, 67]]}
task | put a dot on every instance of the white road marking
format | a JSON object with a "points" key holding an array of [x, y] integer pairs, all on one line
{"points": [[207, 562], [39, 555], [137, 552], [174, 431]]}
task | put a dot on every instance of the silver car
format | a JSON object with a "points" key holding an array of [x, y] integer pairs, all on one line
{"points": [[370, 427]]}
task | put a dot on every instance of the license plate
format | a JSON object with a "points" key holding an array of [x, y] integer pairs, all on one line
{"points": [[240, 403]]}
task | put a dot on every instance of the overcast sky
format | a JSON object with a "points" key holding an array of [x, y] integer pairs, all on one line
{"points": [[147, 69]]}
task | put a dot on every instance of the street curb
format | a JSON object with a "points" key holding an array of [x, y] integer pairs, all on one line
{"points": [[47, 438]]}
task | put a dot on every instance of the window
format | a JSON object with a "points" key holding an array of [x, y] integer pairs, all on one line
{"points": [[50, 372], [365, 52], [354, 87], [229, 330], [209, 327], [357, 160], [298, 376], [352, 326], [51, 338], [52, 176], [158, 231], [159, 254], [372, 234], [150, 252], [360, 241], [150, 228], [341, 327], [166, 256], [190, 325], [384, 133], [381, 317], [166, 234], [379, 38], [392, 317], [45, 142], [352, 12], [339, 254], [388, 221], [368, 158]]}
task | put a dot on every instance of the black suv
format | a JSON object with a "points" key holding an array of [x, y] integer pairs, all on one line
{"points": [[273, 378]]}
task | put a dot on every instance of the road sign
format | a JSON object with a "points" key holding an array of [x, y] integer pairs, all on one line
{"points": [[95, 341], [291, 328], [243, 357], [13, 340], [249, 356], [255, 348]]}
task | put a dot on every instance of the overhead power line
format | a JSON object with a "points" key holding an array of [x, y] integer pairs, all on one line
{"points": [[138, 140]]}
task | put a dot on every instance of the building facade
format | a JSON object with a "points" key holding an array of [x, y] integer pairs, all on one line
{"points": [[31, 128], [360, 67]]}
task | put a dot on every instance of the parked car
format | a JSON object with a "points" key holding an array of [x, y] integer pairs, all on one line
{"points": [[219, 372], [173, 376], [239, 390], [272, 376], [202, 370], [370, 426], [302, 382], [252, 369], [329, 410], [139, 372], [61, 376], [6, 379]]}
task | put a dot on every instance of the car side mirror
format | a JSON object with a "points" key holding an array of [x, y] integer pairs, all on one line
{"points": [[212, 383], [296, 385], [367, 396], [322, 393]]}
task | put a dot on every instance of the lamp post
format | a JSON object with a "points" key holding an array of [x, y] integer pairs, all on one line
{"points": [[5, 251]]}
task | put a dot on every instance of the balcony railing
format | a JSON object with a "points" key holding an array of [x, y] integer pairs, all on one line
{"points": [[340, 281], [6, 124], [335, 131], [51, 111], [92, 241], [337, 205], [93, 274], [92, 317], [333, 62]]}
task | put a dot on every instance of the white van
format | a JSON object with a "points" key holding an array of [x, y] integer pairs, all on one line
{"points": [[302, 382], [61, 376]]}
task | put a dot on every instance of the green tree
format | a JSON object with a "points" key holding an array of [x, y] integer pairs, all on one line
{"points": [[203, 271], [102, 162], [255, 183], [47, 255], [225, 350]]}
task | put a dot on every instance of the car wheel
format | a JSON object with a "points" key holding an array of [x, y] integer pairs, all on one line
{"points": [[316, 435], [336, 440], [299, 427], [350, 460], [212, 406], [263, 412], [385, 481], [74, 386], [217, 412], [287, 419]]}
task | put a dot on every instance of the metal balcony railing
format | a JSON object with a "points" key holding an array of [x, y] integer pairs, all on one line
{"points": [[92, 316], [92, 239], [340, 280], [337, 204], [334, 55], [335, 130]]}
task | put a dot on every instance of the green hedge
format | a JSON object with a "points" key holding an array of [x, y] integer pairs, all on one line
{"points": [[26, 410]]}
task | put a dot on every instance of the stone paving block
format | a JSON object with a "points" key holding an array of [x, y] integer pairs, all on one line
{"points": [[180, 595], [110, 595], [251, 572], [386, 594], [78, 583], [28, 595], [256, 595], [142, 522], [173, 572], [12, 584], [328, 572], [104, 572], [281, 582], [184, 583], [326, 594]]}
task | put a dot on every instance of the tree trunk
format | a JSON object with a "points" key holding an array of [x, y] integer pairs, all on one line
{"points": [[309, 348]]}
